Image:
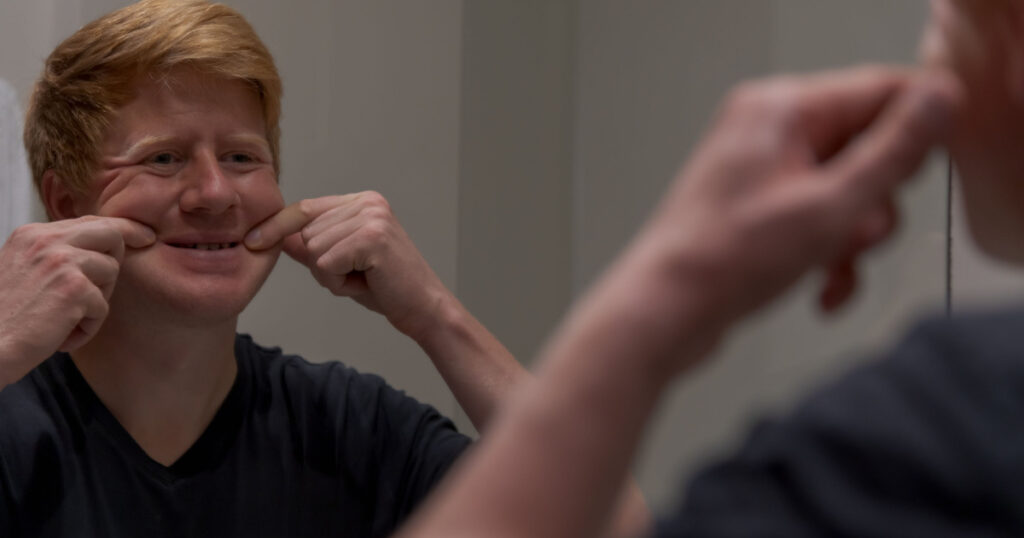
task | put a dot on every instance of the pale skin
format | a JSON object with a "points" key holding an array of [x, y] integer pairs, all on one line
{"points": [[142, 277], [776, 189]]}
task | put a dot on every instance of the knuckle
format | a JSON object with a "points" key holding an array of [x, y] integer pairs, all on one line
{"points": [[376, 231], [376, 212], [307, 207], [323, 264], [307, 235], [767, 97], [54, 259], [745, 97], [72, 285], [375, 199]]}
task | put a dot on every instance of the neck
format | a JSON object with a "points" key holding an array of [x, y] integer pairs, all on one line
{"points": [[163, 381]]}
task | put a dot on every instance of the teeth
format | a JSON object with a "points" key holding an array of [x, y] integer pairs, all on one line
{"points": [[208, 246]]}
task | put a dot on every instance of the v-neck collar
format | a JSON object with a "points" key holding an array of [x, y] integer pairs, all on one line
{"points": [[215, 442]]}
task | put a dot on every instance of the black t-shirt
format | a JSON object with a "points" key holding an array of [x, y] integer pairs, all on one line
{"points": [[928, 442], [296, 449]]}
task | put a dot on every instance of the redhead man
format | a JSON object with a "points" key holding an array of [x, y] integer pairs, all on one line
{"points": [[129, 406], [796, 173]]}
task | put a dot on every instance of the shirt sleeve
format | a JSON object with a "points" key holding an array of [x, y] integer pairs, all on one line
{"points": [[927, 442]]}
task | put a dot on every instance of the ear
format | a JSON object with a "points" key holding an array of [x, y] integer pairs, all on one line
{"points": [[58, 198]]}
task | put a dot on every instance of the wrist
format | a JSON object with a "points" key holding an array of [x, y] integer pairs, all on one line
{"points": [[672, 303], [445, 316]]}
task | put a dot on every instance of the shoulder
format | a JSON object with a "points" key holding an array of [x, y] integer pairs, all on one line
{"points": [[35, 403], [330, 388], [295, 374], [39, 428], [924, 441]]}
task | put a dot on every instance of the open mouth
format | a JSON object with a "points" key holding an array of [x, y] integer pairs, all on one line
{"points": [[204, 246]]}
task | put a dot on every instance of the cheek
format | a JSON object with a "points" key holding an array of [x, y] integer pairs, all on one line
{"points": [[136, 198], [262, 199]]}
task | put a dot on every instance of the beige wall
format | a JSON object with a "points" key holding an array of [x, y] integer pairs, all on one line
{"points": [[522, 143]]}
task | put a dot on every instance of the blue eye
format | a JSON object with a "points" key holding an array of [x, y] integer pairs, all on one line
{"points": [[162, 159]]}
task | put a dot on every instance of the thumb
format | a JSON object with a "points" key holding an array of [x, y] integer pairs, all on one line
{"points": [[285, 222]]}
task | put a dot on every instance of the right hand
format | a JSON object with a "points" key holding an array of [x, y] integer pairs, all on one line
{"points": [[56, 279], [797, 173]]}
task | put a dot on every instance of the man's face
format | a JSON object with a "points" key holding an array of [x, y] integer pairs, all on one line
{"points": [[188, 156], [982, 42]]}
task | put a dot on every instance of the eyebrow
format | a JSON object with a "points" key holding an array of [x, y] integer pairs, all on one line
{"points": [[151, 140], [249, 138], [144, 142]]}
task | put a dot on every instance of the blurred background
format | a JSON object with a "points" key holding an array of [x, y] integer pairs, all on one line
{"points": [[522, 142]]}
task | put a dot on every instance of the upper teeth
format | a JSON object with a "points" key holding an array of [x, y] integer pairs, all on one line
{"points": [[209, 246]]}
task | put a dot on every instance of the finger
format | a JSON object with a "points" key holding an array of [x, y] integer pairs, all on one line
{"points": [[110, 235], [295, 247], [836, 105], [94, 312], [341, 259], [290, 220], [331, 218], [894, 146], [319, 244], [101, 270], [840, 283], [876, 227]]}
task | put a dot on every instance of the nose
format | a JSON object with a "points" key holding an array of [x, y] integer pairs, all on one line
{"points": [[208, 189]]}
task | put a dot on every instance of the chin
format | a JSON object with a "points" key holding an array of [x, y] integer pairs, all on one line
{"points": [[189, 298]]}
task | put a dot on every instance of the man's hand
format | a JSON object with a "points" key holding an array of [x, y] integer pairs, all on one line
{"points": [[55, 281], [796, 174], [355, 247]]}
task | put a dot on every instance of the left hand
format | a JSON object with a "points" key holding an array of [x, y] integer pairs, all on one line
{"points": [[355, 247]]}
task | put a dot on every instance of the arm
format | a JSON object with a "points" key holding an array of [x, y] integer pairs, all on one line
{"points": [[355, 247], [767, 196]]}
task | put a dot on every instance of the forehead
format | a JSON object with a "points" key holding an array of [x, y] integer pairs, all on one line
{"points": [[186, 102]]}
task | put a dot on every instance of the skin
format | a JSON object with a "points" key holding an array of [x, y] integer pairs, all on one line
{"points": [[791, 174], [980, 42]]}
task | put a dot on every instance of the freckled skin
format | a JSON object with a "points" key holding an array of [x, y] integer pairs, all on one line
{"points": [[188, 157]]}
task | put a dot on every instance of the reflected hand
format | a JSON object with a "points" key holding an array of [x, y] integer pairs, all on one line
{"points": [[797, 173], [55, 283], [355, 247]]}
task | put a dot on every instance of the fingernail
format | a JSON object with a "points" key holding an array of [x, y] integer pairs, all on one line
{"points": [[252, 239]]}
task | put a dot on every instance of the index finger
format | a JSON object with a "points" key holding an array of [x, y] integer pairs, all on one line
{"points": [[289, 220], [835, 106], [111, 234], [894, 146]]}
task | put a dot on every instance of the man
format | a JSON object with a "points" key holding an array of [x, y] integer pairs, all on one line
{"points": [[796, 173], [153, 141]]}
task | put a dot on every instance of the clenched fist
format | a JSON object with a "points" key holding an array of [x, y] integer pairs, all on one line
{"points": [[355, 247], [55, 281]]}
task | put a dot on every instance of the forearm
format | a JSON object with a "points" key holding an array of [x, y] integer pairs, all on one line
{"points": [[579, 422], [478, 369]]}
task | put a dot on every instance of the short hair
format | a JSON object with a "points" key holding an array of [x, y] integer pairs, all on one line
{"points": [[92, 74]]}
